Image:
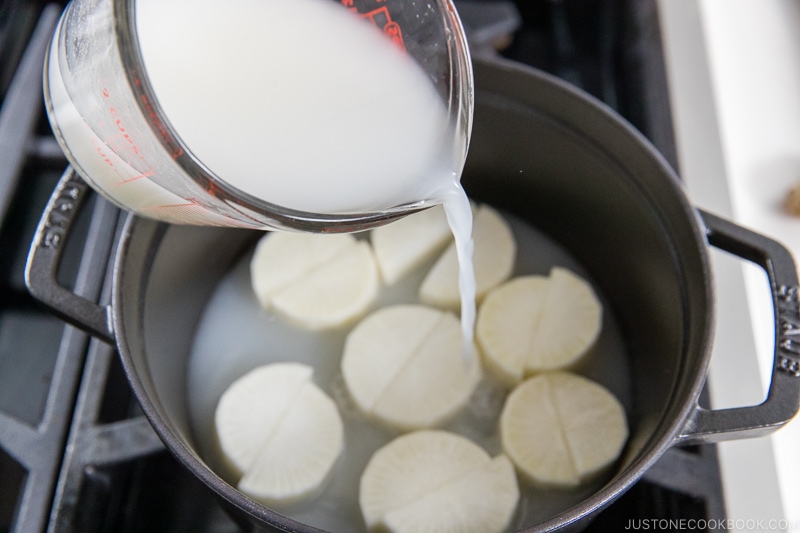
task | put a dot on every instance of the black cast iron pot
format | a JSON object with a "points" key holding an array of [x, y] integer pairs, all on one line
{"points": [[546, 153]]}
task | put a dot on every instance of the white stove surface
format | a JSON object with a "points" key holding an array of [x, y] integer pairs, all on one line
{"points": [[733, 68]]}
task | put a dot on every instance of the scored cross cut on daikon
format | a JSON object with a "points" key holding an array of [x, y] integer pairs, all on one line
{"points": [[533, 324], [493, 260], [404, 366], [561, 429], [316, 281], [437, 481], [280, 432], [403, 245]]}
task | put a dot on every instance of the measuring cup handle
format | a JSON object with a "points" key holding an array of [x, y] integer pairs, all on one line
{"points": [[783, 397], [45, 255]]}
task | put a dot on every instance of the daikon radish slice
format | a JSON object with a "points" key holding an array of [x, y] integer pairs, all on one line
{"points": [[436, 481], [403, 245], [280, 432], [316, 281], [493, 259], [561, 429], [404, 366], [532, 324]]}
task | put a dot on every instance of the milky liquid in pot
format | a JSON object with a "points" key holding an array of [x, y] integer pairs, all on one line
{"points": [[235, 335]]}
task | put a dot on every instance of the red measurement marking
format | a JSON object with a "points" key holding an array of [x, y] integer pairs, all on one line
{"points": [[194, 210], [382, 20], [393, 31], [147, 174], [214, 190], [100, 147], [380, 17], [118, 122], [191, 204], [176, 151]]}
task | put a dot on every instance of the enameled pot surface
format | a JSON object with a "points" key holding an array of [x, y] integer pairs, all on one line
{"points": [[541, 151]]}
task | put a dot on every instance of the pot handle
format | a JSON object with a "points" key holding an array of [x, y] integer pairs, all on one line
{"points": [[783, 397], [44, 258]]}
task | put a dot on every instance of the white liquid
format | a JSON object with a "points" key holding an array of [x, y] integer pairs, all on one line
{"points": [[459, 216], [104, 168], [297, 102], [234, 335], [304, 105]]}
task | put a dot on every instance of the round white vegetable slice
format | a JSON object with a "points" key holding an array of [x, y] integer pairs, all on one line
{"points": [[279, 431], [438, 482], [506, 324], [316, 281], [570, 324], [493, 259], [561, 429], [532, 324], [404, 365], [404, 244]]}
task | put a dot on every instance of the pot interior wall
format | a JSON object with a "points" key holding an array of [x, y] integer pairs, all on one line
{"points": [[548, 154], [539, 151], [174, 273]]}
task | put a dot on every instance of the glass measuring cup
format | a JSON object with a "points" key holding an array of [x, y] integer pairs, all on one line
{"points": [[112, 124]]}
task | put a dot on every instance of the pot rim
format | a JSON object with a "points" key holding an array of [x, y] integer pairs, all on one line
{"points": [[684, 404]]}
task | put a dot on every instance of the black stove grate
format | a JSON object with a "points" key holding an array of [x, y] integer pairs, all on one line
{"points": [[76, 454]]}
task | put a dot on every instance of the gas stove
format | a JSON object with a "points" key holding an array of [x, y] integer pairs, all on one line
{"points": [[76, 453]]}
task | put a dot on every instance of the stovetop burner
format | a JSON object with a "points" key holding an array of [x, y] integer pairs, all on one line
{"points": [[77, 455]]}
